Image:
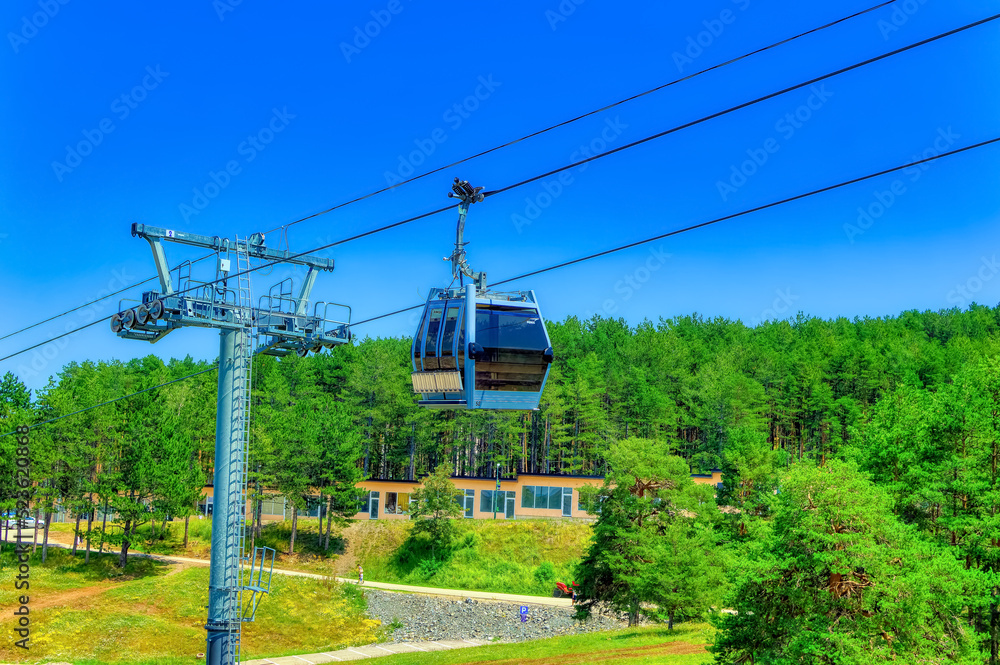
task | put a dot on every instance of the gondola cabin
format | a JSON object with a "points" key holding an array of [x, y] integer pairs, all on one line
{"points": [[480, 350]]}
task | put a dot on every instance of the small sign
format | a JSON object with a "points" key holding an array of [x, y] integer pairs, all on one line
{"points": [[524, 618], [524, 609], [170, 233]]}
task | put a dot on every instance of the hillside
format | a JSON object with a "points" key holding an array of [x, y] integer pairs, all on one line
{"points": [[99, 613], [525, 556]]}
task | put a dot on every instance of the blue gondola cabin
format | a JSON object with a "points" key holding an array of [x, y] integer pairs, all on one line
{"points": [[480, 350]]}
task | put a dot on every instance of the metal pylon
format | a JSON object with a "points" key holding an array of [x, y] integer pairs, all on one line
{"points": [[238, 450], [226, 304]]}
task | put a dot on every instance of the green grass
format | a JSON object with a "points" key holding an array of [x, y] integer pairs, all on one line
{"points": [[522, 557], [151, 612], [634, 645], [62, 572]]}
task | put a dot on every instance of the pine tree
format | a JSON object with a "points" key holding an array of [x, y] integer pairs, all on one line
{"points": [[650, 516], [839, 580], [433, 507]]}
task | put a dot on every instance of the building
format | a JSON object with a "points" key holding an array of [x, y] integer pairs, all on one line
{"points": [[528, 496]]}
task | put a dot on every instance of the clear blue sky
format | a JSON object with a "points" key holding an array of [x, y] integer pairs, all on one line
{"points": [[187, 88]]}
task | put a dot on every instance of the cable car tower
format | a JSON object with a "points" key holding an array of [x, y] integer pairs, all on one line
{"points": [[237, 581], [475, 348]]}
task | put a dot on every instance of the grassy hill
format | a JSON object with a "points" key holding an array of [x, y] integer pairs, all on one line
{"points": [[153, 612], [523, 556]]}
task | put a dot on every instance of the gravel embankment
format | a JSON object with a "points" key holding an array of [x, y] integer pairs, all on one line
{"points": [[437, 618]]}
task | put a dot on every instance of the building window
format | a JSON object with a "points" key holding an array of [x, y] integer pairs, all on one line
{"points": [[467, 501], [502, 497], [397, 503], [363, 502], [487, 498], [314, 508], [539, 496], [594, 509], [274, 505]]}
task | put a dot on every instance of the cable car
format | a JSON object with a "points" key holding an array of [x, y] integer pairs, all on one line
{"points": [[475, 348]]}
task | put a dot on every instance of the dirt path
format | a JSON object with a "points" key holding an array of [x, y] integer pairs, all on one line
{"points": [[344, 571], [388, 648], [347, 563], [610, 655], [73, 597], [59, 598], [431, 591]]}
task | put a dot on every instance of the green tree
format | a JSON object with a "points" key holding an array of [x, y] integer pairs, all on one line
{"points": [[749, 475], [434, 506], [686, 575], [339, 469], [840, 580], [651, 518], [15, 410]]}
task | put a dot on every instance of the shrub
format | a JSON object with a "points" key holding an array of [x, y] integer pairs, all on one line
{"points": [[428, 568], [545, 573]]}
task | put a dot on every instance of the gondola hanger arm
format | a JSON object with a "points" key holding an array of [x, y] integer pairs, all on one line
{"points": [[467, 195]]}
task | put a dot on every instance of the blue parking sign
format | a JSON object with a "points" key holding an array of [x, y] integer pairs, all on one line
{"points": [[524, 609]]}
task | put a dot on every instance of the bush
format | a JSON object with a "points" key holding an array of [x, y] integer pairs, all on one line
{"points": [[428, 568], [470, 540], [545, 573]]}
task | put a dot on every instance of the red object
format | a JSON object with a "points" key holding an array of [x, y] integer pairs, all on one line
{"points": [[562, 587]]}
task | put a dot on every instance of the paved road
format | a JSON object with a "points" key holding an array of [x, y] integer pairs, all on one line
{"points": [[363, 653], [374, 650], [431, 591]]}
